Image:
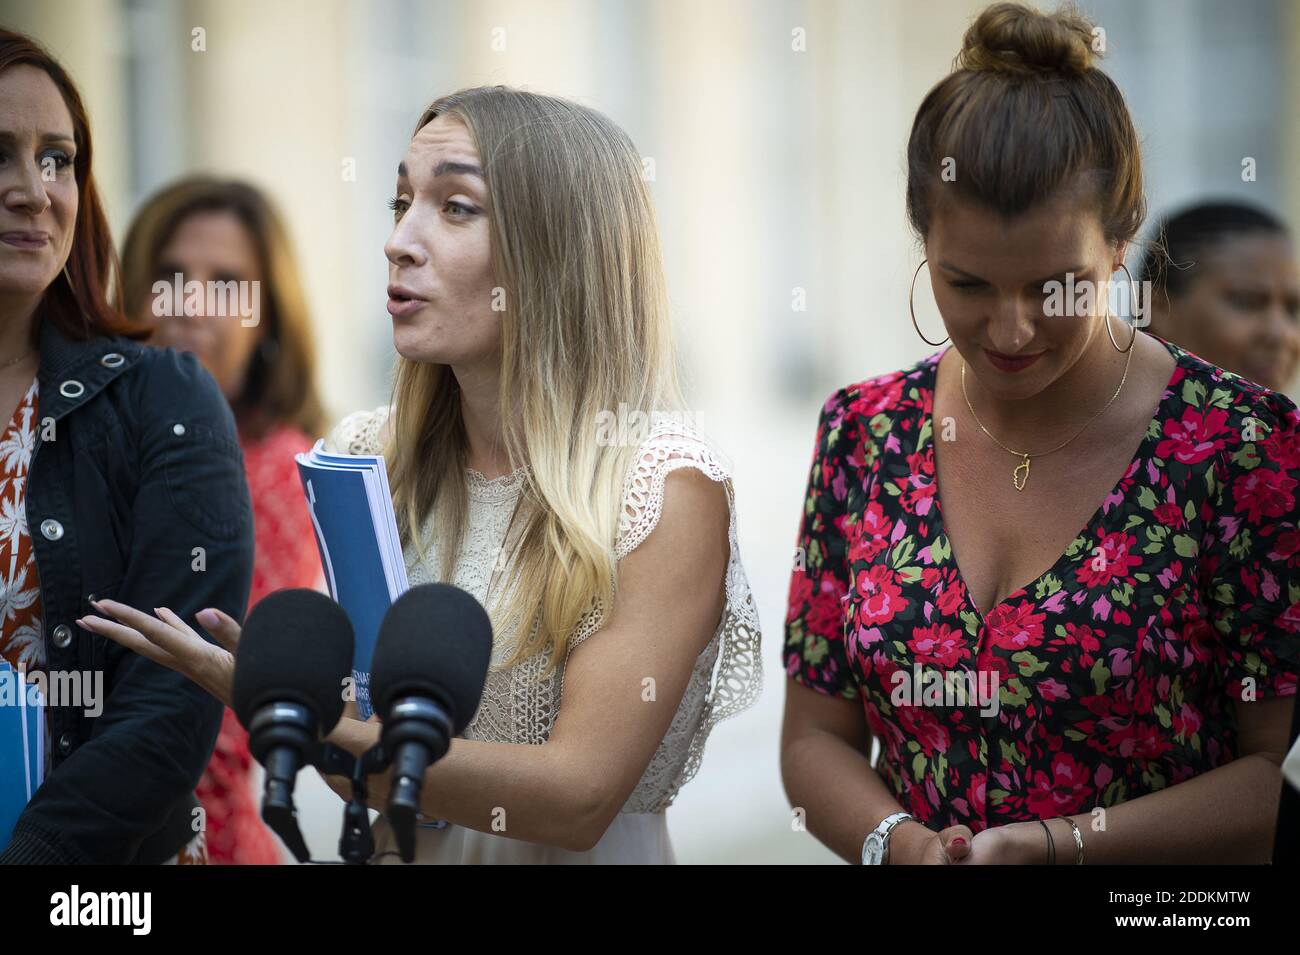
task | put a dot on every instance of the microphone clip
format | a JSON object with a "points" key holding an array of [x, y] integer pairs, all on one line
{"points": [[357, 841]]}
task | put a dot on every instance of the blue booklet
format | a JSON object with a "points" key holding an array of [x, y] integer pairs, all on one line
{"points": [[22, 746], [356, 531]]}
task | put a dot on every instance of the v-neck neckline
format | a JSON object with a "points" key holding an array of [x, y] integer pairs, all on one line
{"points": [[940, 527], [15, 425]]}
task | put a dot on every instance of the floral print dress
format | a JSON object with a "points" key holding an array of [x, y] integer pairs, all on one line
{"points": [[1119, 670]]}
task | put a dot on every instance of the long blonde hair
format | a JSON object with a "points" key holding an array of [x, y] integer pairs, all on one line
{"points": [[585, 332]]}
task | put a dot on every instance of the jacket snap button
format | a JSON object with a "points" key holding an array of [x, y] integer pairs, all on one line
{"points": [[72, 389], [65, 744], [112, 360], [62, 636], [178, 429], [51, 529]]}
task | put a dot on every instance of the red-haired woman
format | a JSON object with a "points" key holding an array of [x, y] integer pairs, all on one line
{"points": [[120, 477]]}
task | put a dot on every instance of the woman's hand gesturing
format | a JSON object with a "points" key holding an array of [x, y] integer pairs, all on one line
{"points": [[168, 640]]}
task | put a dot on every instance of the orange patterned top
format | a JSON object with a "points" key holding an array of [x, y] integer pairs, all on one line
{"points": [[21, 642]]}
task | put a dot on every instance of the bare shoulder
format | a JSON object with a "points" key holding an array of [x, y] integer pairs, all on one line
{"points": [[689, 532], [1157, 359], [693, 499], [679, 571], [677, 476], [1153, 367]]}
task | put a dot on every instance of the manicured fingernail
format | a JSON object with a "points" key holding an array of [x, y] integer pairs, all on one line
{"points": [[208, 617]]}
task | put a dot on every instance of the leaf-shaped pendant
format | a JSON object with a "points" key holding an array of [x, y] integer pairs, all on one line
{"points": [[1021, 474]]}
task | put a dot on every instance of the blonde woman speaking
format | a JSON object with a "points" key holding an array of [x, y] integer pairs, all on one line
{"points": [[528, 307]]}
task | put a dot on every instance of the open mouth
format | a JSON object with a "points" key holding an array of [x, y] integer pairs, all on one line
{"points": [[402, 301], [400, 293]]}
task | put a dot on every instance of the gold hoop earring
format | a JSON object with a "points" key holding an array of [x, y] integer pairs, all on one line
{"points": [[1132, 292], [910, 295]]}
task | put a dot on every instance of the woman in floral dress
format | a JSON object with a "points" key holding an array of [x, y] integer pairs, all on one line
{"points": [[1051, 569]]}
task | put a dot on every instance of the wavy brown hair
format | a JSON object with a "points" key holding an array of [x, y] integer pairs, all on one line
{"points": [[278, 391], [80, 300]]}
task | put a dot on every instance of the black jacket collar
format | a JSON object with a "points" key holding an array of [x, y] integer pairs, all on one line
{"points": [[72, 372]]}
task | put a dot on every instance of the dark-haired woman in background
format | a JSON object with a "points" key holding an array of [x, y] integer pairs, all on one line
{"points": [[213, 230], [1224, 285], [120, 469], [1132, 679]]}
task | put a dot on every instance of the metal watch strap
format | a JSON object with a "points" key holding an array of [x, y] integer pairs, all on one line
{"points": [[883, 830]]}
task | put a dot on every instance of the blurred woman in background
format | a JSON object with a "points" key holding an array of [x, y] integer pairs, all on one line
{"points": [[213, 230], [1224, 285]]}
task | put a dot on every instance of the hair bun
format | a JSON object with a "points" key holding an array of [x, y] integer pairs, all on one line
{"points": [[1020, 41]]}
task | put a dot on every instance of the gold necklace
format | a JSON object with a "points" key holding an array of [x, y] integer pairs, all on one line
{"points": [[1021, 473]]}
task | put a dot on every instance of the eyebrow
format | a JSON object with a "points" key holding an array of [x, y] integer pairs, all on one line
{"points": [[1076, 269], [447, 168], [8, 137]]}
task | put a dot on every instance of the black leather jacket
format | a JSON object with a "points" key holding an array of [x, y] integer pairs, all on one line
{"points": [[136, 492]]}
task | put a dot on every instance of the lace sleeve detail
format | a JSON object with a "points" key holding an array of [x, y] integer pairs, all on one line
{"points": [[358, 433], [729, 673]]}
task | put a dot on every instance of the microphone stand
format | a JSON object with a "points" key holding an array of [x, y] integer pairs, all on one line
{"points": [[357, 841]]}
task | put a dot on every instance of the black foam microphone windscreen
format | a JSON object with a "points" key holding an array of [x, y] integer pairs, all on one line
{"points": [[296, 647], [436, 642]]}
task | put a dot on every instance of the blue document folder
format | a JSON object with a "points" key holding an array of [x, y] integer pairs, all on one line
{"points": [[361, 553], [22, 747]]}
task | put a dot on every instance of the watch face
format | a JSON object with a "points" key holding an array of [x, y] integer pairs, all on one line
{"points": [[873, 850]]}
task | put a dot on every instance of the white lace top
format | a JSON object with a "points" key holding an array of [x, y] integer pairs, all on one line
{"points": [[519, 705]]}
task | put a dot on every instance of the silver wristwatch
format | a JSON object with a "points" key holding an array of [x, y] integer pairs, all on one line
{"points": [[875, 848]]}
